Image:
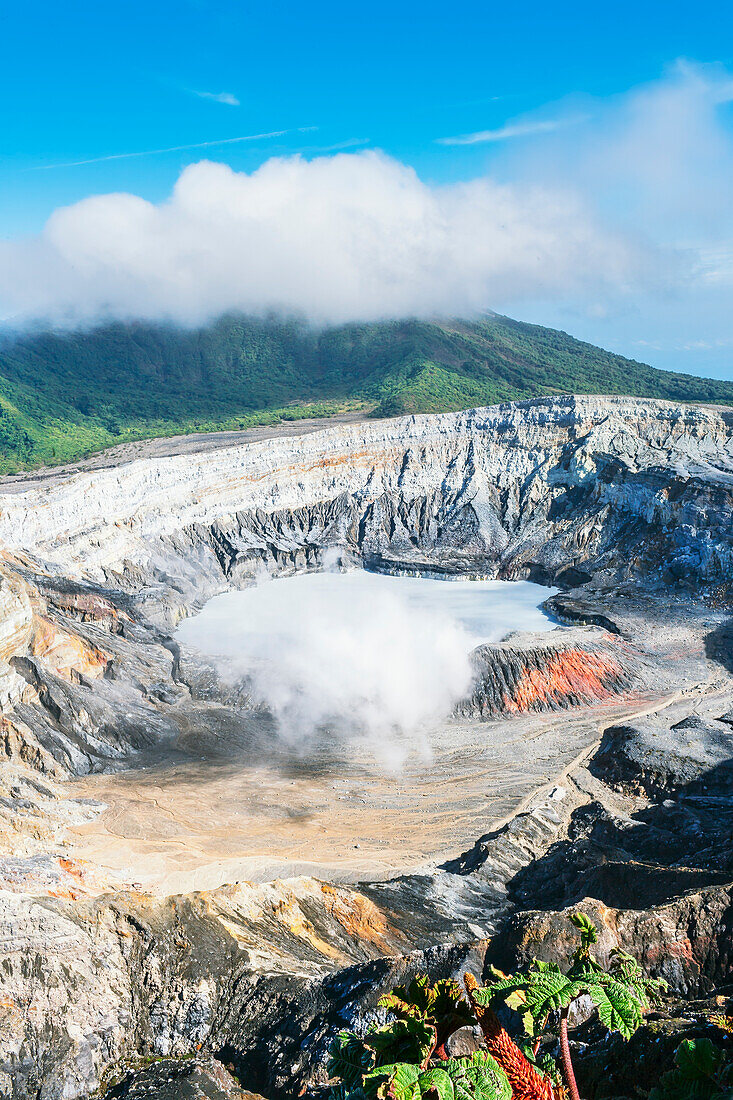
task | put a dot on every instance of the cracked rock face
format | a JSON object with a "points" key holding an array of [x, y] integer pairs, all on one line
{"points": [[196, 1078], [601, 749]]}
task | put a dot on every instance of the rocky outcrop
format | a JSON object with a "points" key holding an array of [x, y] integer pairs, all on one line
{"points": [[653, 758], [539, 673], [263, 976], [196, 1078], [551, 483], [685, 941], [16, 616]]}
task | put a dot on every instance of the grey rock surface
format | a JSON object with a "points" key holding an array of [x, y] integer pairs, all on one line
{"points": [[651, 757], [195, 1078]]}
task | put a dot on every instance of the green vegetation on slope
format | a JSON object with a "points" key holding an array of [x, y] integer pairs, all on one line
{"points": [[66, 395]]}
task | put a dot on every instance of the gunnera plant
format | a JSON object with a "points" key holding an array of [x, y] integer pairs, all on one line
{"points": [[544, 995], [701, 1071], [406, 1058]]}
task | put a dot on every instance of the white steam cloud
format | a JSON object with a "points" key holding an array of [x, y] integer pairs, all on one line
{"points": [[375, 659]]}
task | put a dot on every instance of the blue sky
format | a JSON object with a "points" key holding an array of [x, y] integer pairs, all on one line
{"points": [[537, 85]]}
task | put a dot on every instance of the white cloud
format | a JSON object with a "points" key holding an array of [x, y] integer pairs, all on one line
{"points": [[626, 237], [220, 97], [657, 162], [339, 237], [659, 157]]}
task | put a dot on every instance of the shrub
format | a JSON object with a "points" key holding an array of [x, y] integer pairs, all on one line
{"points": [[544, 994], [406, 1059]]}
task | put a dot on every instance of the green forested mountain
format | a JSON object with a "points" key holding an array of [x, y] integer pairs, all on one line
{"points": [[66, 395]]}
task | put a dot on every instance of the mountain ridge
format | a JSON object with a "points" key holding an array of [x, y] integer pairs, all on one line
{"points": [[67, 395]]}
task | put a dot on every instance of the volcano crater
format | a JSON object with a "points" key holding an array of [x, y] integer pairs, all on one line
{"points": [[181, 872]]}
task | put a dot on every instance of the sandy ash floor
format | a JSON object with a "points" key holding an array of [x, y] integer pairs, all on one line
{"points": [[180, 826]]}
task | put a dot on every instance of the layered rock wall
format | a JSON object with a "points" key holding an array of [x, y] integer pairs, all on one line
{"points": [[543, 483], [540, 673]]}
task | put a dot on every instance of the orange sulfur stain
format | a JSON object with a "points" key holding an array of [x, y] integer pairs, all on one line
{"points": [[359, 916], [287, 911], [66, 653], [571, 672]]}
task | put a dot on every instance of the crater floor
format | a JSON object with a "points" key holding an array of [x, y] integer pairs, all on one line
{"points": [[198, 824]]}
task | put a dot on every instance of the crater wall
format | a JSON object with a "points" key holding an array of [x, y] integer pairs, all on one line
{"points": [[623, 483]]}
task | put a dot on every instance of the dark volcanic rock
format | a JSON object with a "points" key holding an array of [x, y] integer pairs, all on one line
{"points": [[688, 941], [197, 1078], [572, 607], [652, 757], [635, 860], [610, 1067]]}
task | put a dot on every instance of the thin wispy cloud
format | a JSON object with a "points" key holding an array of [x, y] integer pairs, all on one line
{"points": [[175, 148], [714, 264], [219, 97], [513, 130], [338, 147]]}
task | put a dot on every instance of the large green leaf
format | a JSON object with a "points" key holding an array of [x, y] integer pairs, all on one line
{"points": [[487, 994], [698, 1058], [478, 1077], [518, 1001], [405, 1040], [626, 969], [349, 1058], [618, 1010], [437, 1083], [586, 927], [584, 967], [544, 988], [409, 1082], [700, 1073], [449, 1003], [394, 1082], [546, 992], [418, 994], [441, 1003]]}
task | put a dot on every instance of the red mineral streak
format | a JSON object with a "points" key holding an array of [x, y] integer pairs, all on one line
{"points": [[571, 672]]}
